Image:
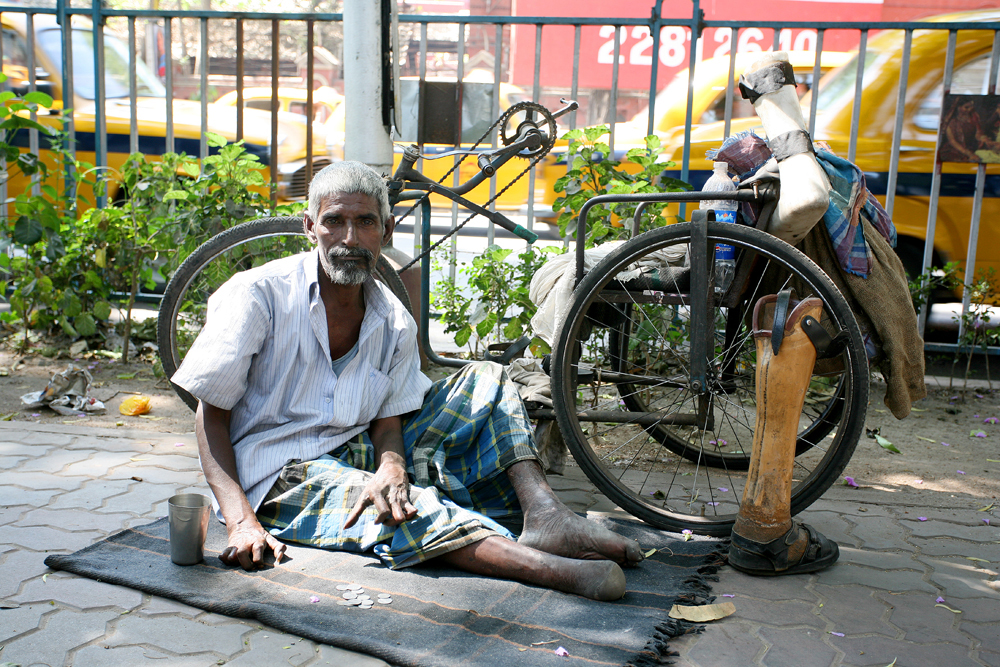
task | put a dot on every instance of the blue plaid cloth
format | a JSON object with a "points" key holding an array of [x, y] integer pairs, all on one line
{"points": [[471, 428]]}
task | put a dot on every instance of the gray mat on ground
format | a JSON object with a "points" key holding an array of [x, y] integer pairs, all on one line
{"points": [[438, 616]]}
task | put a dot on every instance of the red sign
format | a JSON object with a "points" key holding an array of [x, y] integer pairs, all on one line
{"points": [[635, 51]]}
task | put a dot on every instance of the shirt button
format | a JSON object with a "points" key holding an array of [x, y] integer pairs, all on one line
{"points": [[327, 400]]}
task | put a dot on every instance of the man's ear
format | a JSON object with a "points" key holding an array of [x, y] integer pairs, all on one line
{"points": [[390, 225], [307, 226]]}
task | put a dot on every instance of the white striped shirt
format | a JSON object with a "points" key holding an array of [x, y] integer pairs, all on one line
{"points": [[265, 354]]}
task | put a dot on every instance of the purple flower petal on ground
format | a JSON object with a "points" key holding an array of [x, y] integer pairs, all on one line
{"points": [[953, 398], [712, 442], [990, 420], [940, 600], [979, 395], [713, 504], [918, 481], [921, 518], [178, 444], [849, 481], [561, 652], [728, 595], [36, 414], [837, 634], [961, 472], [723, 489], [986, 521], [946, 444], [977, 417], [314, 599]]}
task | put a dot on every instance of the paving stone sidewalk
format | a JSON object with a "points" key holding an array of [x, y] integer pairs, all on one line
{"points": [[66, 486]]}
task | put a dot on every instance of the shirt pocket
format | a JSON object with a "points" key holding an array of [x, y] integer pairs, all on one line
{"points": [[376, 391], [359, 395]]}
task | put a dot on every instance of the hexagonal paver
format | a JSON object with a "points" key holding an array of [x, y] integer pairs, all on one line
{"points": [[104, 444], [101, 463], [73, 519], [943, 547], [84, 594], [140, 498], [795, 648], [47, 539], [876, 651], [157, 605], [788, 613], [921, 621], [178, 635], [777, 589], [61, 632], [129, 656], [12, 495], [91, 495], [331, 655], [887, 580], [880, 533], [883, 560], [8, 448], [14, 622], [12, 513], [987, 633], [11, 462], [153, 475], [33, 481], [974, 532], [725, 645], [961, 578], [56, 461], [274, 648]]}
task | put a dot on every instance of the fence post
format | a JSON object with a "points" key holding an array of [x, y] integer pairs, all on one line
{"points": [[366, 137]]}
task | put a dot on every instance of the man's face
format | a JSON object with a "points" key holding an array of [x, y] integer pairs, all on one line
{"points": [[349, 236]]}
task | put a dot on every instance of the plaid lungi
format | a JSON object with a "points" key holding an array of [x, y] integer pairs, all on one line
{"points": [[471, 428]]}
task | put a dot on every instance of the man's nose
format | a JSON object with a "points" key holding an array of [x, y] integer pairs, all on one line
{"points": [[350, 234]]}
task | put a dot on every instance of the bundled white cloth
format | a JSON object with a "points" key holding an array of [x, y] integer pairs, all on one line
{"points": [[552, 286], [66, 393]]}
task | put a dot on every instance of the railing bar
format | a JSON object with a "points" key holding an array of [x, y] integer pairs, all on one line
{"points": [[574, 88], [100, 96], [497, 62], [856, 110], [776, 40], [733, 37], [3, 160], [897, 132], [133, 100], [612, 116], [273, 163], [689, 105], [203, 87], [239, 79], [310, 112], [655, 26], [949, 67], [456, 176], [168, 40], [535, 94], [817, 75], [32, 133]]}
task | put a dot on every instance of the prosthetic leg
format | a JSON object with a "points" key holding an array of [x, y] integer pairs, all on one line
{"points": [[765, 540], [769, 84]]}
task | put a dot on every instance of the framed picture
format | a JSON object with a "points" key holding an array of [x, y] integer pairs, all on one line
{"points": [[970, 129]]}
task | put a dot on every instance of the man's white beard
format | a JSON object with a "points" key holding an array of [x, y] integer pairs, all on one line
{"points": [[349, 272]]}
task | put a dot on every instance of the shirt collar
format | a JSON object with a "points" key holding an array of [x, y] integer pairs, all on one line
{"points": [[375, 300]]}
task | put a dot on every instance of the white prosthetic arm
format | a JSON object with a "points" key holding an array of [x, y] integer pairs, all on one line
{"points": [[770, 85]]}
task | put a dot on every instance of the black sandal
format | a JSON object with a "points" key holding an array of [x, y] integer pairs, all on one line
{"points": [[771, 559]]}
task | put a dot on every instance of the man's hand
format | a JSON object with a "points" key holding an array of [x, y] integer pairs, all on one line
{"points": [[389, 491], [247, 544]]}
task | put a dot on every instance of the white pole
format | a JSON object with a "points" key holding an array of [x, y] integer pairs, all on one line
{"points": [[366, 138]]}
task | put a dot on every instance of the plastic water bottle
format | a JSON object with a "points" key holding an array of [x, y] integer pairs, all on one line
{"points": [[725, 211]]}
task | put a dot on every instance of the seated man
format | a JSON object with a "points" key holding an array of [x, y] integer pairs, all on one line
{"points": [[316, 426]]}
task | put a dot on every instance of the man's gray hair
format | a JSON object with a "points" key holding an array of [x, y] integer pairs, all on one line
{"points": [[348, 178]]}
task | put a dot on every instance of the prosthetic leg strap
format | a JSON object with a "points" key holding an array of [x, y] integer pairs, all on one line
{"points": [[780, 316], [826, 346], [791, 143], [768, 79]]}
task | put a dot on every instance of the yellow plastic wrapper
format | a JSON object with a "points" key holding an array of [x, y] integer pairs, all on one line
{"points": [[134, 406]]}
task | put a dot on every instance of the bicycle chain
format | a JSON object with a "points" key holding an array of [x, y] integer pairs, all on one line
{"points": [[527, 107]]}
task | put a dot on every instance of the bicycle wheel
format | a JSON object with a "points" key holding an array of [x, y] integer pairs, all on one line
{"points": [[673, 457], [185, 300]]}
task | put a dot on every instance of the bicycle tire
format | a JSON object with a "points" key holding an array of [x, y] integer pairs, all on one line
{"points": [[628, 461], [181, 311]]}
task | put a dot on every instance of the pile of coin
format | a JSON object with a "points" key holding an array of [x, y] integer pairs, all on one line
{"points": [[355, 596]]}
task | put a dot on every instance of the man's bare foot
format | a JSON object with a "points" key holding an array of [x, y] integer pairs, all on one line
{"points": [[557, 530], [498, 557]]}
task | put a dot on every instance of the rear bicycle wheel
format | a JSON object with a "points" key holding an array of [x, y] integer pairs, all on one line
{"points": [[673, 457], [185, 301]]}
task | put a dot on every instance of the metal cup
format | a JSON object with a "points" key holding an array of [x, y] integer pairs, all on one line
{"points": [[188, 527]]}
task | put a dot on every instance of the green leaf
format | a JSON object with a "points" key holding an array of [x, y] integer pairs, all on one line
{"points": [[191, 169], [68, 328], [27, 231], [70, 304], [513, 329], [215, 140], [463, 335], [176, 194], [127, 376], [885, 444], [85, 325], [102, 310], [486, 326], [39, 98]]}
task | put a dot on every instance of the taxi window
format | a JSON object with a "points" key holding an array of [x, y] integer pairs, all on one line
{"points": [[717, 111], [264, 105], [972, 78], [842, 80], [14, 52]]}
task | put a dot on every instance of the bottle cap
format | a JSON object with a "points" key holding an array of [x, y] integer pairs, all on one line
{"points": [[720, 165]]}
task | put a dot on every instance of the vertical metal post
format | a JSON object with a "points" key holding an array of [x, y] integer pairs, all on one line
{"points": [[612, 116], [817, 71], [494, 139], [133, 103], [897, 132], [203, 87], [655, 26], [734, 33], [239, 79], [776, 41], [168, 40], [689, 106], [858, 88], [977, 203], [574, 87], [310, 112], [273, 162], [535, 93], [949, 67], [69, 126], [4, 207], [456, 177], [32, 133], [100, 127]]}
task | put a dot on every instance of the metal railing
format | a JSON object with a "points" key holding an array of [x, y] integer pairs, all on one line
{"points": [[655, 24]]}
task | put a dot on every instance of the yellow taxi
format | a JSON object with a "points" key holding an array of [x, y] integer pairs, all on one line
{"points": [[709, 105], [922, 114], [151, 96], [326, 101]]}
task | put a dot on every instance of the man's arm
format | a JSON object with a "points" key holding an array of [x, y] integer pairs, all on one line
{"points": [[247, 538], [389, 489]]}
